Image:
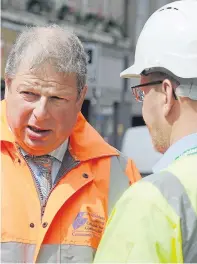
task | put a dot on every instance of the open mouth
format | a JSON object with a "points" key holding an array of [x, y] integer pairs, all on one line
{"points": [[38, 130]]}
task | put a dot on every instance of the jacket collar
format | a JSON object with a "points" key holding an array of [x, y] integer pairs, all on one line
{"points": [[85, 142]]}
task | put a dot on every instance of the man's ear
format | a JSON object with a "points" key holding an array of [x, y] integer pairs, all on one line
{"points": [[167, 89], [82, 97]]}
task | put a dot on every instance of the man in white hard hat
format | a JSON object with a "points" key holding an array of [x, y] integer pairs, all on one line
{"points": [[155, 221]]}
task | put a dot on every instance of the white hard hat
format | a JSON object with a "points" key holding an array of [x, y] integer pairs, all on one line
{"points": [[168, 40]]}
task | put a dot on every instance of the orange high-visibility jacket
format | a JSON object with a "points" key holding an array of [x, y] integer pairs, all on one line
{"points": [[91, 179]]}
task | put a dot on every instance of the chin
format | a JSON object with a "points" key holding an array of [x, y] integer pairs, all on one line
{"points": [[36, 149], [159, 142], [160, 149]]}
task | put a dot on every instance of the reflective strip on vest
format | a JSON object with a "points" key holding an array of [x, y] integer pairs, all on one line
{"points": [[23, 253], [14, 252], [177, 197], [65, 254], [119, 181]]}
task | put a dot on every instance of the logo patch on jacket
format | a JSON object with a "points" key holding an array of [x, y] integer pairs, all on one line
{"points": [[88, 224], [79, 220]]}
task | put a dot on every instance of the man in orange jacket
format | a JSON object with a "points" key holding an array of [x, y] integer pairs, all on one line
{"points": [[60, 179]]}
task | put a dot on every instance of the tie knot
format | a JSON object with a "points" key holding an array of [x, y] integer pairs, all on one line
{"points": [[43, 162], [46, 161]]}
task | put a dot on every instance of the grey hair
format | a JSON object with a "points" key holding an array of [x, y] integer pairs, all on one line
{"points": [[37, 45]]}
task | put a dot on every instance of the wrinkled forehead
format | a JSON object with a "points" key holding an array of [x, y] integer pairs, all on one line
{"points": [[45, 68], [45, 72], [45, 78]]}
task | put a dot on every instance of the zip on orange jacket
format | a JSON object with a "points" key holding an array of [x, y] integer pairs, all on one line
{"points": [[92, 177]]}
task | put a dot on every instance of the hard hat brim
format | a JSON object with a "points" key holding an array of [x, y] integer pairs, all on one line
{"points": [[132, 71]]}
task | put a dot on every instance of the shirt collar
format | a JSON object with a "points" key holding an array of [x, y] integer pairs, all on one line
{"points": [[60, 151], [175, 150]]}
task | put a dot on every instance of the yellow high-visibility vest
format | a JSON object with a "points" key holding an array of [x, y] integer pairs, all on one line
{"points": [[155, 220]]}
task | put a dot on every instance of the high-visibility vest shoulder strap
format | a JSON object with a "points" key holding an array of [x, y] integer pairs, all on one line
{"points": [[119, 181], [178, 185]]}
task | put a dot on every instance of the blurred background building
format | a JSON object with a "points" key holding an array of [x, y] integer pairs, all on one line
{"points": [[109, 30]]}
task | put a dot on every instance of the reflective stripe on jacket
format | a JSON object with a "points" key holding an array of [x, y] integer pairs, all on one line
{"points": [[91, 179], [155, 221]]}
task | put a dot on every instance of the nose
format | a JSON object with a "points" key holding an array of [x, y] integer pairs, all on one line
{"points": [[41, 111]]}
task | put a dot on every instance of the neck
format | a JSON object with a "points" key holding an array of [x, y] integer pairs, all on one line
{"points": [[183, 127]]}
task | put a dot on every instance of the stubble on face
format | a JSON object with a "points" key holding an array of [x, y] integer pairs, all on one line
{"points": [[159, 137]]}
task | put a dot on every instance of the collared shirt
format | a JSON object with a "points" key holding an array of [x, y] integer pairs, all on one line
{"points": [[58, 154], [176, 150]]}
